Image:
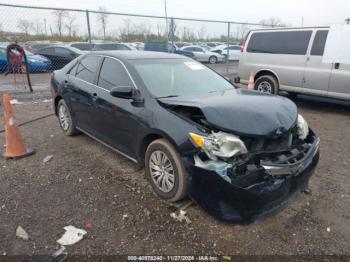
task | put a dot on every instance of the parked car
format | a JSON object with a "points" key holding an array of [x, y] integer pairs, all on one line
{"points": [[196, 133], [290, 59], [111, 46], [33, 47], [84, 46], [203, 55], [36, 63], [181, 44], [234, 53], [158, 46], [60, 55], [211, 44]]}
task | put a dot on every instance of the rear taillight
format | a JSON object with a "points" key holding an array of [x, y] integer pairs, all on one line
{"points": [[243, 46]]}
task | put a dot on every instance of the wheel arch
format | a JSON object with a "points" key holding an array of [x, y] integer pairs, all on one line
{"points": [[267, 72], [148, 139], [57, 99]]}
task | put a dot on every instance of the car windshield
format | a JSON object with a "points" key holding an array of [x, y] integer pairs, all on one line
{"points": [[179, 77]]}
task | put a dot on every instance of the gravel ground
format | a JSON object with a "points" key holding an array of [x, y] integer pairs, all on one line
{"points": [[86, 182]]}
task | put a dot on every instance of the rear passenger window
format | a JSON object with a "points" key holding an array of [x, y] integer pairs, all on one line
{"points": [[87, 68], [286, 42], [113, 74], [319, 42]]}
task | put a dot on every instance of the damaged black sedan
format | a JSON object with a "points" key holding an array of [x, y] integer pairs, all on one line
{"points": [[239, 154]]}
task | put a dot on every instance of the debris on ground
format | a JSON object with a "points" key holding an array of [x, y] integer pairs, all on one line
{"points": [[147, 213], [47, 158], [60, 255], [88, 225], [307, 191], [47, 101], [21, 233], [328, 229], [226, 257], [125, 216], [72, 236], [14, 101], [181, 216]]}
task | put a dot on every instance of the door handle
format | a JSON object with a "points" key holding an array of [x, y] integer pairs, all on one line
{"points": [[336, 65]]}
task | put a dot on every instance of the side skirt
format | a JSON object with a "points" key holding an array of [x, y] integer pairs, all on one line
{"points": [[105, 144]]}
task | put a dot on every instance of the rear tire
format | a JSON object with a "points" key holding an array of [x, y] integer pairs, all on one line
{"points": [[267, 84], [165, 171], [65, 119]]}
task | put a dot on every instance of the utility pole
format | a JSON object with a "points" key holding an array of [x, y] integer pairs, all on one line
{"points": [[45, 26], [347, 20], [166, 23]]}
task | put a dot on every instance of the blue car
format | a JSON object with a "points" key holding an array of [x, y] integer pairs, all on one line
{"points": [[36, 63]]}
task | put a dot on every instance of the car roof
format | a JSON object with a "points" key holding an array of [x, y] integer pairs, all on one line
{"points": [[137, 55], [289, 28]]}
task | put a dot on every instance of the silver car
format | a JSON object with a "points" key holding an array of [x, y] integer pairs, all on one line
{"points": [[203, 55], [290, 59]]}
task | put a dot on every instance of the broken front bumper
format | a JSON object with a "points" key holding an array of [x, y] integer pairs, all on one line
{"points": [[233, 203]]}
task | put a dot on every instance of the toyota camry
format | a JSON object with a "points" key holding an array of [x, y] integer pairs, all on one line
{"points": [[239, 154]]}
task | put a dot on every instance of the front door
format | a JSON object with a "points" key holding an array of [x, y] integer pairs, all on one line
{"points": [[317, 74], [116, 118], [339, 86]]}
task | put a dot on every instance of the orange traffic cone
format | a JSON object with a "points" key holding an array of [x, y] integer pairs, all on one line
{"points": [[251, 81], [15, 147]]}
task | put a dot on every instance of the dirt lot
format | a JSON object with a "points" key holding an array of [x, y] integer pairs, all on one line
{"points": [[86, 182]]}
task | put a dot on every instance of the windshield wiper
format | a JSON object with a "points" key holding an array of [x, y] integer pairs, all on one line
{"points": [[169, 96]]}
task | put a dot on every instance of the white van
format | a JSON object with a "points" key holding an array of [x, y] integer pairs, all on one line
{"points": [[290, 59]]}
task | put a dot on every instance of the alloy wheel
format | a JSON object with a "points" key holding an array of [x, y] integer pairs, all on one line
{"points": [[64, 117], [162, 171]]}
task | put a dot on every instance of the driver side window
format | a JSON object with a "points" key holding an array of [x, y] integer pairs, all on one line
{"points": [[113, 74]]}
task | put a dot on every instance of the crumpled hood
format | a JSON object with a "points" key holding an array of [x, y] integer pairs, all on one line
{"points": [[243, 112]]}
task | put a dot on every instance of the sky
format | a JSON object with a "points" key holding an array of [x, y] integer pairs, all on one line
{"points": [[311, 12], [315, 12]]}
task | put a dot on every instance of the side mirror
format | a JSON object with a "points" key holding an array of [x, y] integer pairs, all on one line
{"points": [[122, 92]]}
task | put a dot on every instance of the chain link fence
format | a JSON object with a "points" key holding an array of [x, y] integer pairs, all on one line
{"points": [[53, 37]]}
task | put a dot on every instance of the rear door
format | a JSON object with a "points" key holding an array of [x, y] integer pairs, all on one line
{"points": [[83, 92], [317, 74]]}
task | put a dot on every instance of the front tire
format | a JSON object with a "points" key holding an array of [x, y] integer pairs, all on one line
{"points": [[65, 119], [267, 84], [213, 60], [165, 171]]}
